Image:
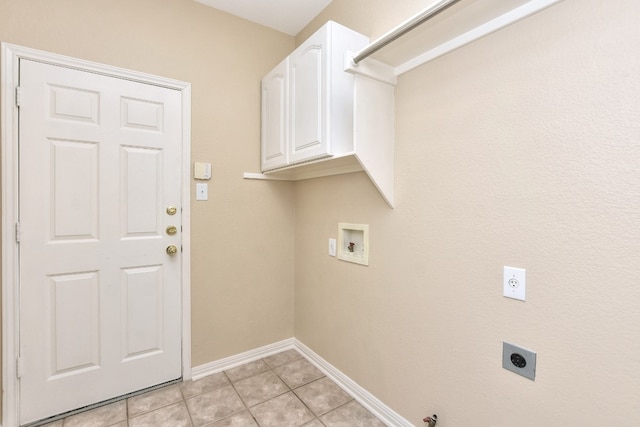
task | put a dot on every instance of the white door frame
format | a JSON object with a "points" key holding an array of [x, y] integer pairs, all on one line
{"points": [[11, 54]]}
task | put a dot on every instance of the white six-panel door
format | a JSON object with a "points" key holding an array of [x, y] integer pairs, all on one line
{"points": [[100, 297]]}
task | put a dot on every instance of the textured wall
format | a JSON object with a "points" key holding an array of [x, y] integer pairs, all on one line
{"points": [[370, 17], [242, 297], [521, 149]]}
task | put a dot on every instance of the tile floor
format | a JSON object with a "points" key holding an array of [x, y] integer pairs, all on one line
{"points": [[283, 390]]}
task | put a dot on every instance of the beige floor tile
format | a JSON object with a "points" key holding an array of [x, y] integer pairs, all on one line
{"points": [[283, 411], [257, 394], [243, 419], [322, 396], [351, 415], [103, 416], [175, 415], [261, 387], [298, 373], [214, 405], [208, 383], [282, 358], [153, 400], [247, 370]]}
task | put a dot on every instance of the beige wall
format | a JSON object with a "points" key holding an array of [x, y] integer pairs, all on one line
{"points": [[370, 17], [243, 236], [521, 149]]}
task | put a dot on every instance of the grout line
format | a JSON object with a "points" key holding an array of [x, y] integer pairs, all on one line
{"points": [[246, 407], [184, 400], [159, 407]]}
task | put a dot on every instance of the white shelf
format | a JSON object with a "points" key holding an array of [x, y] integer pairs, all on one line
{"points": [[382, 178], [345, 163], [457, 26]]}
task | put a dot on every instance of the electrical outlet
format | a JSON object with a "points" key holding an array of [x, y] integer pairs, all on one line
{"points": [[514, 282], [519, 360]]}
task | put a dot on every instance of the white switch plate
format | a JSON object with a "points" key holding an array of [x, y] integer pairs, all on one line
{"points": [[514, 282], [332, 247], [202, 191]]}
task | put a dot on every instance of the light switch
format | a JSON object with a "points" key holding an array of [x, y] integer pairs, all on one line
{"points": [[332, 247], [202, 191]]}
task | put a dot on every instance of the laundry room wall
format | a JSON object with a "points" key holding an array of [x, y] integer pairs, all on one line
{"points": [[520, 149]]}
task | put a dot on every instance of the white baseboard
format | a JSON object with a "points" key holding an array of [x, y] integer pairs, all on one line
{"points": [[366, 399], [240, 359]]}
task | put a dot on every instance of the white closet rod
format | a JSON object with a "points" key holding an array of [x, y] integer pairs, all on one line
{"points": [[403, 28], [515, 15]]}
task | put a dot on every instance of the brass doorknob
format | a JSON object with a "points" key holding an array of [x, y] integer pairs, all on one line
{"points": [[172, 249], [171, 230], [171, 210]]}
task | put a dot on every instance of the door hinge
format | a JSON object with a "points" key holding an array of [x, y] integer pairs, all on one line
{"points": [[18, 95], [18, 232], [19, 367]]}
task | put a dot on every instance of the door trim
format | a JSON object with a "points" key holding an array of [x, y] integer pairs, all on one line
{"points": [[11, 55]]}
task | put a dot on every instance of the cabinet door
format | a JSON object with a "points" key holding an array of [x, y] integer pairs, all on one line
{"points": [[275, 117], [308, 75]]}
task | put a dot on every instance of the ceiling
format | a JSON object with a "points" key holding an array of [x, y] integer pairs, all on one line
{"points": [[287, 16]]}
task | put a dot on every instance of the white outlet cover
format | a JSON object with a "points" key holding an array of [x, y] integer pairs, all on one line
{"points": [[514, 282]]}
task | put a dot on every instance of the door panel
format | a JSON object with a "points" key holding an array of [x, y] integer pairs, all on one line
{"points": [[142, 304], [141, 114], [74, 192], [141, 191], [77, 104], [307, 99], [309, 86], [100, 299], [74, 308], [275, 117]]}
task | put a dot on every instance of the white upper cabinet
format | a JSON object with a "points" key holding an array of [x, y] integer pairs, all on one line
{"points": [[321, 117], [307, 109]]}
